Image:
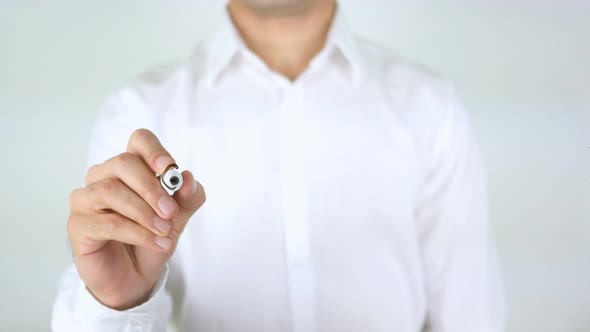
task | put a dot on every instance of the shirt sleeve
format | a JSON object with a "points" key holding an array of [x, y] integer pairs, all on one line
{"points": [[464, 291], [75, 309]]}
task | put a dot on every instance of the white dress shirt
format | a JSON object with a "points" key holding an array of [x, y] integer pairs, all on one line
{"points": [[352, 199]]}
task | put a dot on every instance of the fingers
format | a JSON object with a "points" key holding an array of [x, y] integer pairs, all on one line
{"points": [[190, 198], [101, 228], [147, 146], [134, 173], [112, 194], [127, 184]]}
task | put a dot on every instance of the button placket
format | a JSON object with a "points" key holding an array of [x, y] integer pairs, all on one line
{"points": [[294, 206]]}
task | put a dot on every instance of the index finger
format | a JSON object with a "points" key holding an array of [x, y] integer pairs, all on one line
{"points": [[147, 146]]}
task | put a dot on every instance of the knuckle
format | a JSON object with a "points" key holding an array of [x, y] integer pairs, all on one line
{"points": [[127, 199], [123, 161], [110, 225], [105, 187], [146, 217], [153, 192], [93, 228], [74, 198], [92, 174], [141, 215], [140, 135]]}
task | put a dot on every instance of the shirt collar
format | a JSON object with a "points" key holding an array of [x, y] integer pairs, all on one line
{"points": [[226, 43], [341, 38]]}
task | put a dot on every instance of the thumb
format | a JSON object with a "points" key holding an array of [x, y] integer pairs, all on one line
{"points": [[189, 198]]}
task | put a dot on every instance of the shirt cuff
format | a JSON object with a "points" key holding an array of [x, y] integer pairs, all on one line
{"points": [[151, 315]]}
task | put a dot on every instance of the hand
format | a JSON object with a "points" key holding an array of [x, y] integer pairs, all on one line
{"points": [[124, 227]]}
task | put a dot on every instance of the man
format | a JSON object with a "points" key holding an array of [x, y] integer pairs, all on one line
{"points": [[344, 191]]}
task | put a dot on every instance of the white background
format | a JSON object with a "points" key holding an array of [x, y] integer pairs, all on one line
{"points": [[523, 69]]}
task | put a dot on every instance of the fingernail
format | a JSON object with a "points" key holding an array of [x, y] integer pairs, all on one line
{"points": [[163, 242], [167, 205], [162, 225], [194, 188], [162, 162]]}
